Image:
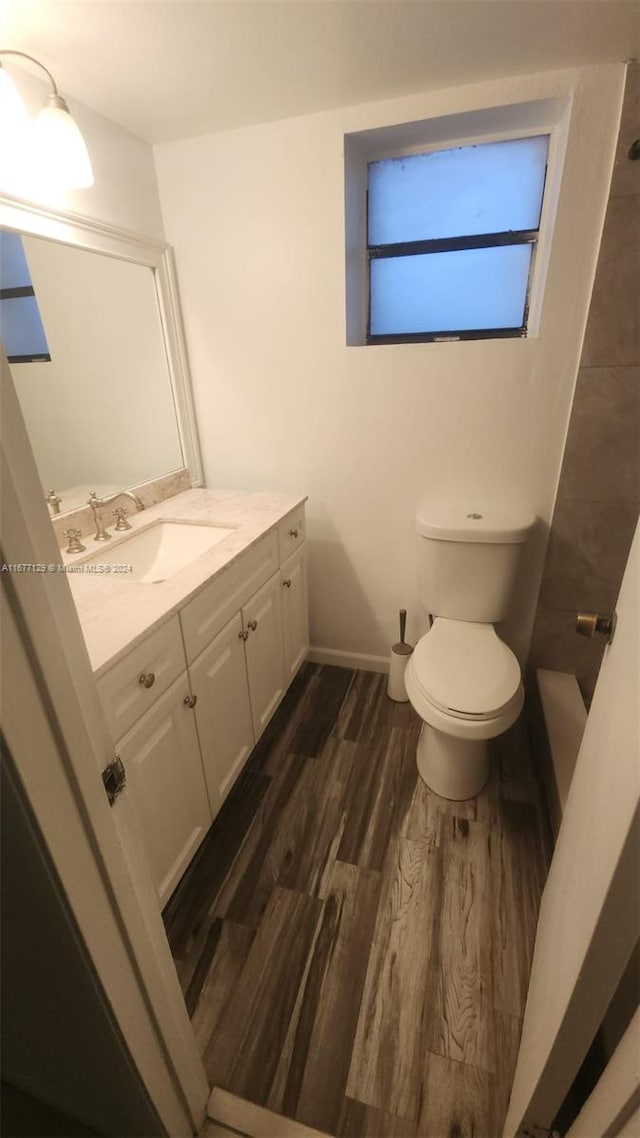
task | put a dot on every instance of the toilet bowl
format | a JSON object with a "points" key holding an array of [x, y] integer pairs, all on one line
{"points": [[465, 684]]}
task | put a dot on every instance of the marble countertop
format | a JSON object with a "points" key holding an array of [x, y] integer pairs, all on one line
{"points": [[117, 613]]}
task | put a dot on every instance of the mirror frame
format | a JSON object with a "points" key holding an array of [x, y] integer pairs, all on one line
{"points": [[98, 237]]}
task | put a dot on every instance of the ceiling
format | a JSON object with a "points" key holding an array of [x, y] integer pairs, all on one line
{"points": [[173, 70]]}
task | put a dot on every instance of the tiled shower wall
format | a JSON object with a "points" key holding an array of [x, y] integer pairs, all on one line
{"points": [[599, 491]]}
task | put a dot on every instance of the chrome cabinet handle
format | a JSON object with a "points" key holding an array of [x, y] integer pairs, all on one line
{"points": [[190, 700], [147, 679], [293, 532], [287, 583], [252, 624], [243, 636]]}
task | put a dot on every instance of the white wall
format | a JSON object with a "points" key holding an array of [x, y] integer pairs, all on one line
{"points": [[257, 219], [125, 193]]}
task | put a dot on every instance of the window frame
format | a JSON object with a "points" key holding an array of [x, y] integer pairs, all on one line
{"points": [[454, 244]]}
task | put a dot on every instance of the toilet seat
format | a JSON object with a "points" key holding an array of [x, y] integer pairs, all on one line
{"points": [[463, 670]]}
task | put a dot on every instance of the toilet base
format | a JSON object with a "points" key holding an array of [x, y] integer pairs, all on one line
{"points": [[453, 768]]}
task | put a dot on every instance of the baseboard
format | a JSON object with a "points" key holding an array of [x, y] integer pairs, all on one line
{"points": [[564, 716], [348, 659]]}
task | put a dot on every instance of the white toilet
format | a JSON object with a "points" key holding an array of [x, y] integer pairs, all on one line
{"points": [[462, 680]]}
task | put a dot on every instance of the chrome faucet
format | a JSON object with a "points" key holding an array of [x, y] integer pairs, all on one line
{"points": [[101, 533]]}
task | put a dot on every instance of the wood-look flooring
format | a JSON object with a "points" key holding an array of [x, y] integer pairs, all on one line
{"points": [[354, 951]]}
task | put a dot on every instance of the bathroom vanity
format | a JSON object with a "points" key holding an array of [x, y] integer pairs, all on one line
{"points": [[195, 618], [190, 668]]}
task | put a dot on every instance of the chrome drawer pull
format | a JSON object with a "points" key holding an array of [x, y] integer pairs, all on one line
{"points": [[293, 532], [147, 679], [243, 636], [252, 624], [287, 583], [190, 700]]}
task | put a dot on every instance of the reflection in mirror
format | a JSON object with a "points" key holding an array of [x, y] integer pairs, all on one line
{"points": [[100, 412]]}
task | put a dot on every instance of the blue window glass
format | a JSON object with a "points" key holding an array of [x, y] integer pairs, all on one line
{"points": [[21, 329], [450, 239], [14, 271], [444, 292], [488, 188]]}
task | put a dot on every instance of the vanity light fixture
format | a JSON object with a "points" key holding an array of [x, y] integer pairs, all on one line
{"points": [[56, 142]]}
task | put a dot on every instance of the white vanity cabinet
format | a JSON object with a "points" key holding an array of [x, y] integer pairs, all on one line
{"points": [[188, 704], [262, 624], [161, 756], [160, 752], [239, 680], [295, 612], [223, 710]]}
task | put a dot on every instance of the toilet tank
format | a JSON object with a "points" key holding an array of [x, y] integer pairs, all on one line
{"points": [[468, 559]]}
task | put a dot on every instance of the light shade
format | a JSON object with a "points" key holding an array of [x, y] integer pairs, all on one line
{"points": [[60, 147]]}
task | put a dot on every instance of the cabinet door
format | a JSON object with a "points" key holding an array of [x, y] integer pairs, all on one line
{"points": [[164, 777], [223, 711], [262, 620], [295, 618]]}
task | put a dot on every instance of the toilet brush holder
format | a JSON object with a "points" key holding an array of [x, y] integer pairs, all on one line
{"points": [[399, 658]]}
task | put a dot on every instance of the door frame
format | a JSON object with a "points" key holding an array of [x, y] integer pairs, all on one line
{"points": [[96, 851], [562, 1016], [616, 1095]]}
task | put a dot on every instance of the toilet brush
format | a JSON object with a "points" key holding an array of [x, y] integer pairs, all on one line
{"points": [[400, 653]]}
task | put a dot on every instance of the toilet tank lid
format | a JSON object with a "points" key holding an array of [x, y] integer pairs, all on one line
{"points": [[472, 522]]}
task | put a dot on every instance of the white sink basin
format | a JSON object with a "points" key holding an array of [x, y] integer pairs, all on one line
{"points": [[160, 550]]}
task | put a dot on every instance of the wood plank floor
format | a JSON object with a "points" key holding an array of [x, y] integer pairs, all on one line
{"points": [[354, 951]]}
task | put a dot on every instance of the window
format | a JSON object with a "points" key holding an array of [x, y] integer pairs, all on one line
{"points": [[451, 236], [21, 329]]}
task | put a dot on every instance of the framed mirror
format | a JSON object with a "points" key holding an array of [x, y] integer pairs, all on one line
{"points": [[105, 390]]}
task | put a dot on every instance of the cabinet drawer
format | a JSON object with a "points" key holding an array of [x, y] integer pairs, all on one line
{"points": [[206, 615], [291, 533], [124, 696]]}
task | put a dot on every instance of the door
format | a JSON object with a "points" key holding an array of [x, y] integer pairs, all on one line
{"points": [[589, 920], [223, 711], [262, 621], [295, 619], [47, 683], [161, 757]]}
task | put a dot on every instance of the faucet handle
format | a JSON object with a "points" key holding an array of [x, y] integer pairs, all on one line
{"points": [[74, 545], [120, 513], [53, 501]]}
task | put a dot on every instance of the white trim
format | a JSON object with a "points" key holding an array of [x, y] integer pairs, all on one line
{"points": [[317, 655], [616, 1094], [97, 237], [565, 716], [171, 316], [248, 1118], [97, 852]]}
